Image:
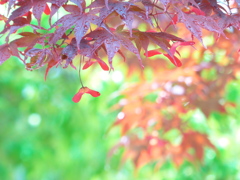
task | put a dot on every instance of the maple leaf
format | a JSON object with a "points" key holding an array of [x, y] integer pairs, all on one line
{"points": [[24, 8], [142, 40], [159, 38], [120, 7], [80, 3], [4, 53], [77, 97], [227, 21], [89, 63], [69, 52], [126, 10], [18, 23], [38, 57], [29, 39], [56, 4], [67, 21], [51, 63], [38, 8], [79, 21], [194, 23], [111, 42], [197, 141]]}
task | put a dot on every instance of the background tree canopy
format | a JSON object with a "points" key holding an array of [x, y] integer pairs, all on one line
{"points": [[168, 109]]}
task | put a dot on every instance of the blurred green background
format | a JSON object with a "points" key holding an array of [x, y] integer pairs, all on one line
{"points": [[45, 136]]}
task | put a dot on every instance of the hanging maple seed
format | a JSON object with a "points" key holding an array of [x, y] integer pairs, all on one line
{"points": [[103, 65], [77, 97]]}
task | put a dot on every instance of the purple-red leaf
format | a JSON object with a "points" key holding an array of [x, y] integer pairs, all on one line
{"points": [[4, 53], [69, 52], [80, 3], [82, 25], [73, 9], [38, 9], [51, 63], [129, 45], [112, 45], [26, 6], [67, 21]]}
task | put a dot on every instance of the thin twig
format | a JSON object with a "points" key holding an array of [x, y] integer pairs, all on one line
{"points": [[79, 70]]}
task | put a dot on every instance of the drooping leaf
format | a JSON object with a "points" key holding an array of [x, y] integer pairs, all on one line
{"points": [[112, 47], [4, 53], [51, 64]]}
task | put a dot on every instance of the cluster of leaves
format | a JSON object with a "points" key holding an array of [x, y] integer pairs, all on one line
{"points": [[151, 110], [92, 30], [87, 29]]}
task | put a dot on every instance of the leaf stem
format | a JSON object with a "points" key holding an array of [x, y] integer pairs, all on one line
{"points": [[79, 71]]}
